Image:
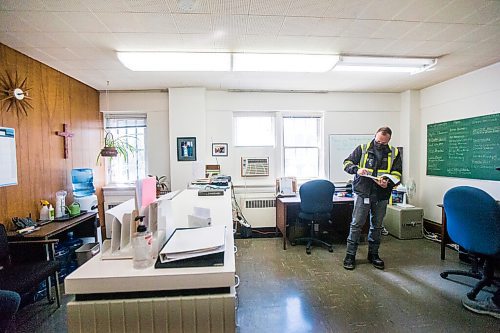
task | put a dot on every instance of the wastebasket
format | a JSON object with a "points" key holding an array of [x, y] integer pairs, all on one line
{"points": [[86, 252]]}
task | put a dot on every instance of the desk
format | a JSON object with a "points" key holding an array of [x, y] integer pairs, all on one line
{"points": [[444, 234], [110, 295], [287, 210], [84, 225]]}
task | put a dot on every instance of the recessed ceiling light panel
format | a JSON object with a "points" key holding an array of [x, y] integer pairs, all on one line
{"points": [[175, 61]]}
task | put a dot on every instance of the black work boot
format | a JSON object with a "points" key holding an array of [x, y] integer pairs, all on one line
{"points": [[349, 262], [375, 260]]}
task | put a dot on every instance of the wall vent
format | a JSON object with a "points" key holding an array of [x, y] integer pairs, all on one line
{"points": [[259, 203]]}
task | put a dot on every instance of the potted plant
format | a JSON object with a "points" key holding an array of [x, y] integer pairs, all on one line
{"points": [[161, 185], [114, 147]]}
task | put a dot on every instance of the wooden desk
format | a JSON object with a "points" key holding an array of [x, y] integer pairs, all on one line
{"points": [[84, 226], [444, 234], [287, 209]]}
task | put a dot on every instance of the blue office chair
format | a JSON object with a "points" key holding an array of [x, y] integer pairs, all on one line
{"points": [[473, 222], [316, 204]]}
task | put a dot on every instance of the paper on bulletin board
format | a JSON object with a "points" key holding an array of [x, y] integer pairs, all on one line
{"points": [[8, 167]]}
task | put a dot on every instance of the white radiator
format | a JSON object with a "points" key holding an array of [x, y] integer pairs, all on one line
{"points": [[259, 209], [214, 313]]}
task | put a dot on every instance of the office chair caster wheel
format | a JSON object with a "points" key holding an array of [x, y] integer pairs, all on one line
{"points": [[330, 249], [444, 275], [308, 251], [293, 243]]}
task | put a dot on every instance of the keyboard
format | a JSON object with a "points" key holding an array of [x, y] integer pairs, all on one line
{"points": [[210, 193]]}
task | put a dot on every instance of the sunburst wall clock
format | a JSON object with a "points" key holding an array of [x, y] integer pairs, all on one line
{"points": [[14, 94]]}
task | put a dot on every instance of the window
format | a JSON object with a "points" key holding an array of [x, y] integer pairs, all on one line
{"points": [[131, 128], [256, 130], [301, 146]]}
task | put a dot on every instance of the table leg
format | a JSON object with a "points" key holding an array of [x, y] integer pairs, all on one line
{"points": [[443, 233]]}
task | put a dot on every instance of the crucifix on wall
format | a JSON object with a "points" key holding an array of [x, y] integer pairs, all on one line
{"points": [[66, 134]]}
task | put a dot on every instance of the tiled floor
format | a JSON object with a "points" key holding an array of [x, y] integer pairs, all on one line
{"points": [[289, 291]]}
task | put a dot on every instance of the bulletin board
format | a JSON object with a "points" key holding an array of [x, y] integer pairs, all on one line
{"points": [[8, 167], [341, 145]]}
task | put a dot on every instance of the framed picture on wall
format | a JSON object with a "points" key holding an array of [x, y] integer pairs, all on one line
{"points": [[219, 149], [186, 149]]}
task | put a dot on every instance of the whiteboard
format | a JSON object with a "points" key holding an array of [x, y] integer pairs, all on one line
{"points": [[341, 146], [8, 167]]}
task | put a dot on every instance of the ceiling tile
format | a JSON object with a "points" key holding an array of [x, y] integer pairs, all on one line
{"points": [[36, 53], [455, 32], [148, 42], [331, 27], [104, 40], [346, 8], [264, 25], [83, 21], [299, 26], [363, 28], [197, 42], [254, 43], [427, 48], [481, 33], [120, 22], [488, 13], [266, 7], [198, 7], [404, 48], [11, 22], [382, 9], [421, 10], [38, 39], [193, 23], [456, 12], [70, 39], [64, 5], [238, 7], [21, 5], [45, 21], [373, 46], [155, 23], [60, 53], [148, 6], [229, 24], [393, 29], [424, 31], [12, 40], [108, 6], [315, 8]]}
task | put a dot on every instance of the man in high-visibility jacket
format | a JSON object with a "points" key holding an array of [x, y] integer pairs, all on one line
{"points": [[375, 158]]}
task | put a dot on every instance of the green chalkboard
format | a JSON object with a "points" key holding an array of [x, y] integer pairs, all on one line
{"points": [[465, 148]]}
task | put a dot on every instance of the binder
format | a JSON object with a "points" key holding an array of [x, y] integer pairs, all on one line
{"points": [[188, 243], [214, 259]]}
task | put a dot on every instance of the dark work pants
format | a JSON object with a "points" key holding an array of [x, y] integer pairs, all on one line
{"points": [[376, 209]]}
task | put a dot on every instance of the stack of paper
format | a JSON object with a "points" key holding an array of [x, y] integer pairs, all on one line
{"points": [[194, 242]]}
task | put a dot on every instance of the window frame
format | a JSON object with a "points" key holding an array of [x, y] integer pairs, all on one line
{"points": [[319, 147], [271, 115], [108, 163]]}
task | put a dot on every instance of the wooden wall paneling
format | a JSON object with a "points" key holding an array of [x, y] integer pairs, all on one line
{"points": [[42, 169]]}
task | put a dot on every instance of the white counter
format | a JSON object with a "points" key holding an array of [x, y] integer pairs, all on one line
{"points": [[111, 276]]}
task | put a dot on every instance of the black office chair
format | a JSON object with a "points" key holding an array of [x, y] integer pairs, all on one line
{"points": [[473, 222], [25, 277], [316, 204]]}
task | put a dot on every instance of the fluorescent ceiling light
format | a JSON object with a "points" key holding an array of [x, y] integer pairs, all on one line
{"points": [[175, 61], [384, 64], [261, 62]]}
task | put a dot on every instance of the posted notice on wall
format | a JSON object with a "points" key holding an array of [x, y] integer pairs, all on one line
{"points": [[8, 167]]}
